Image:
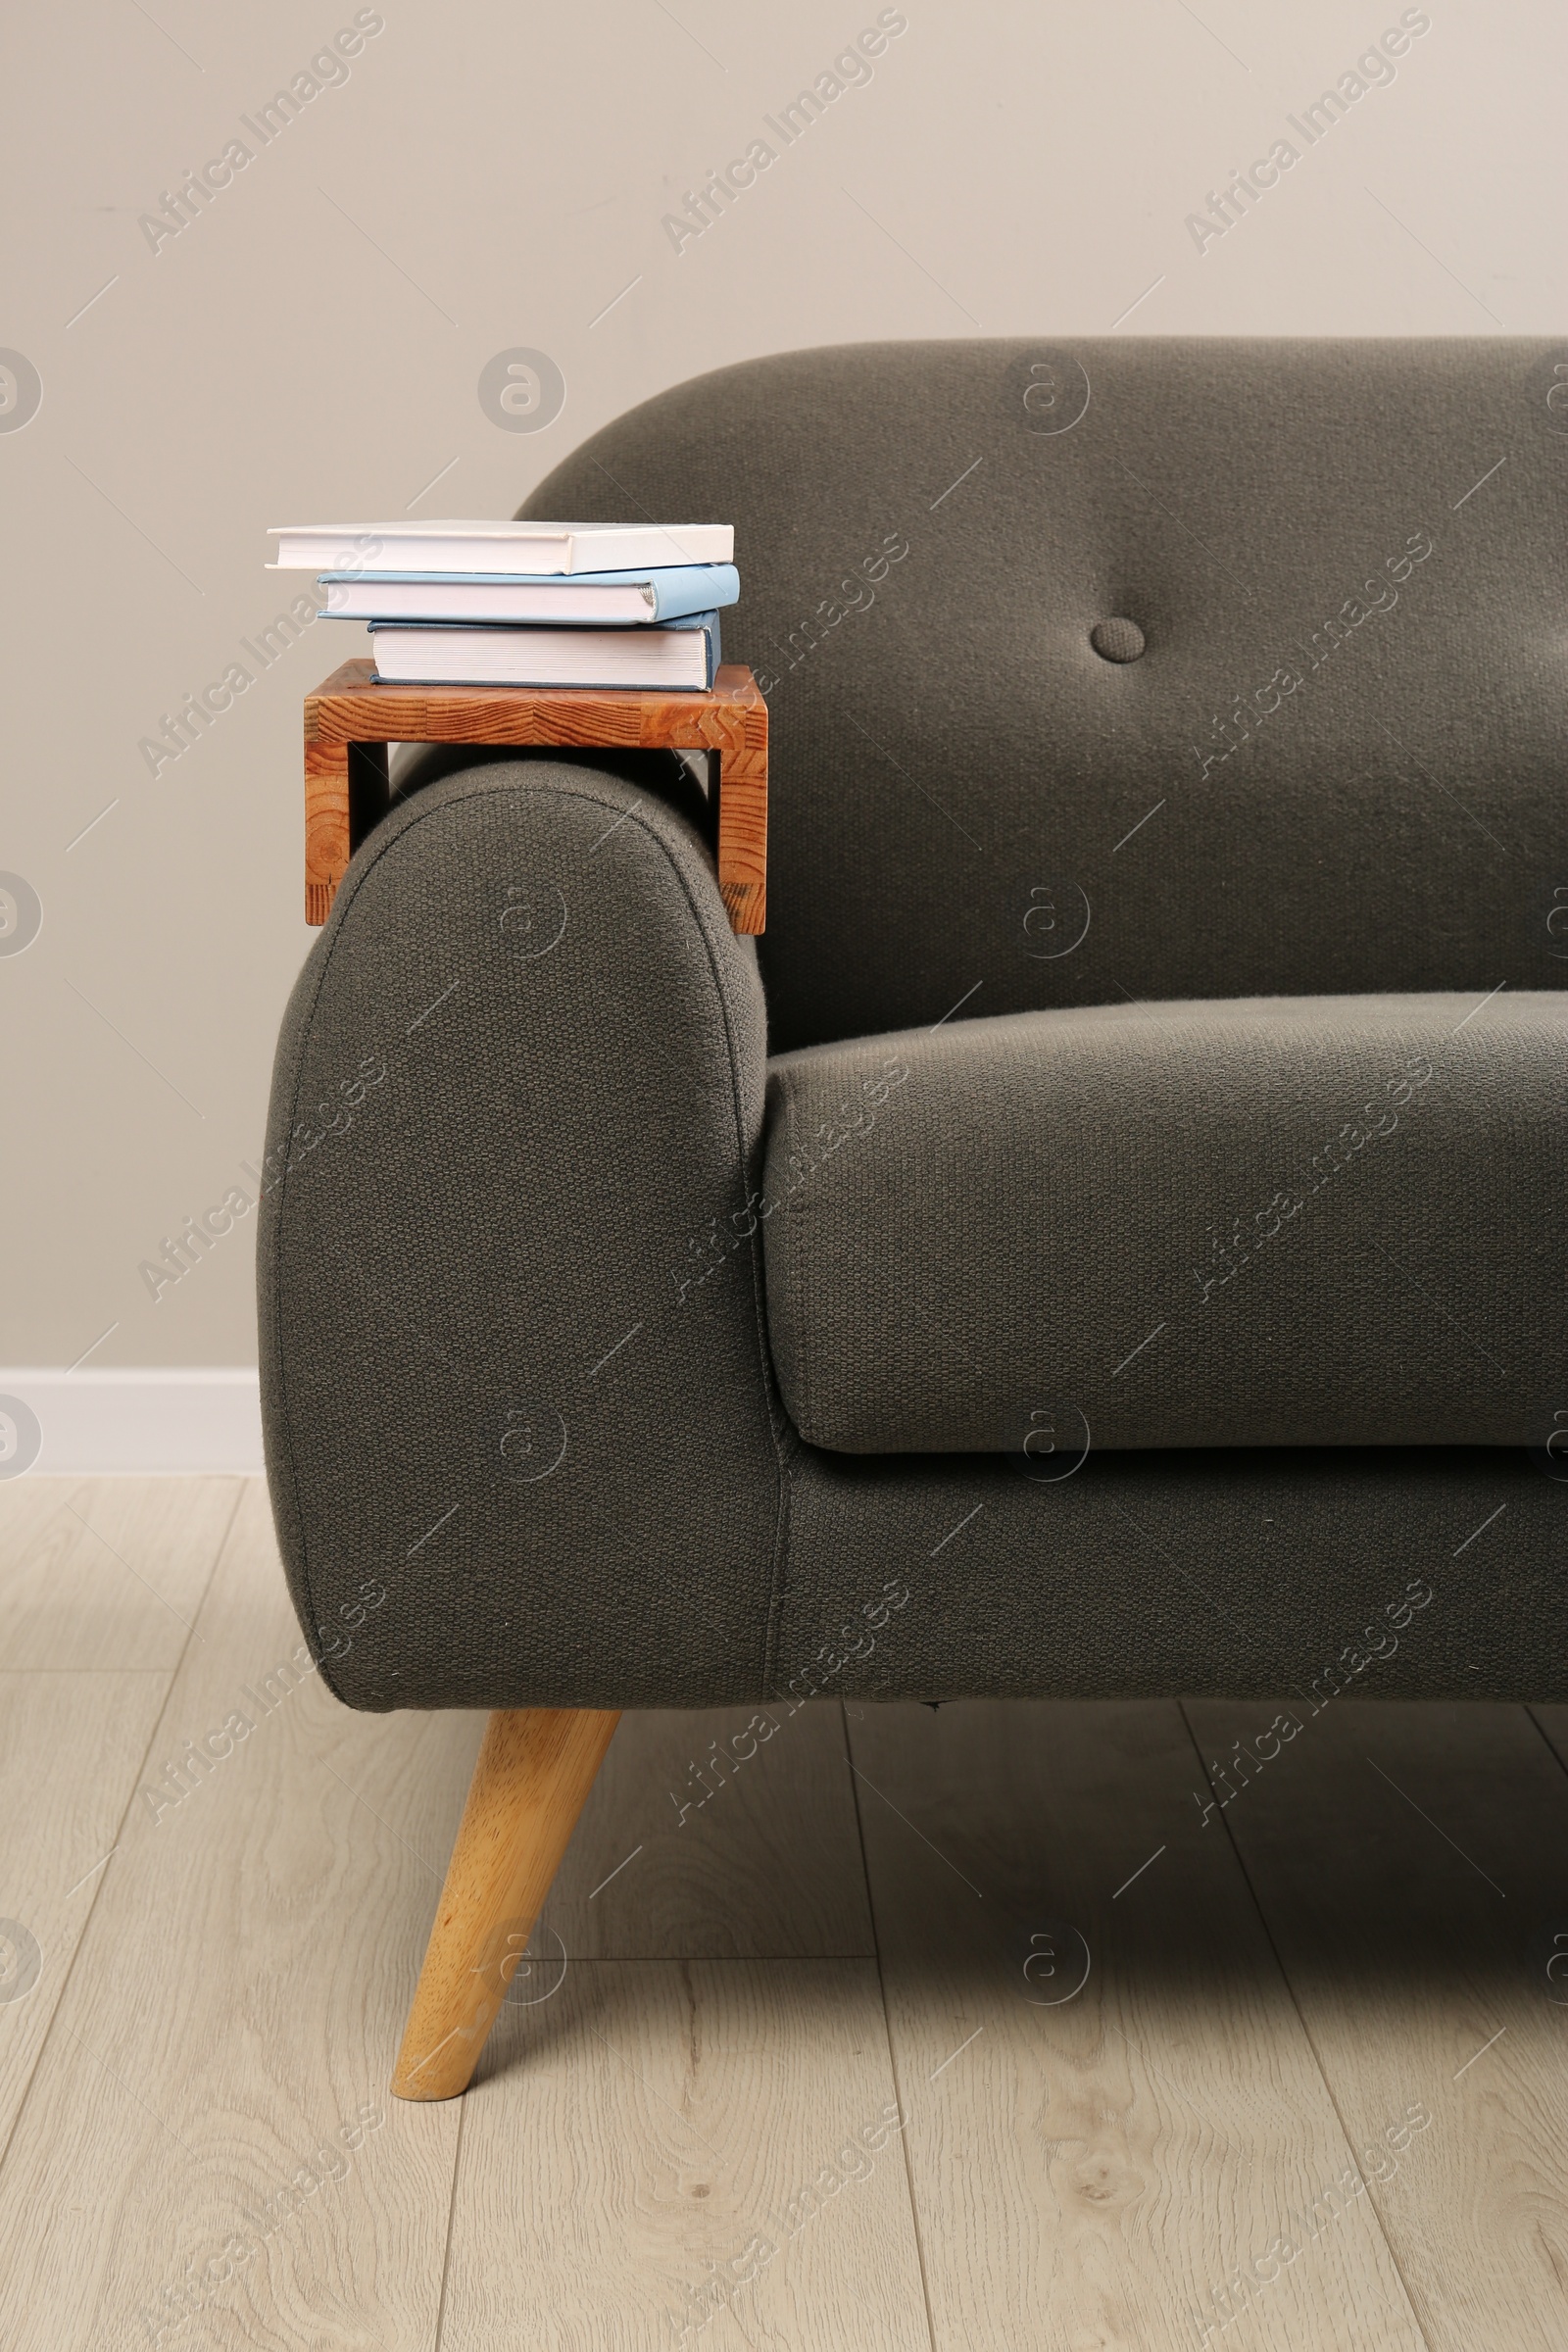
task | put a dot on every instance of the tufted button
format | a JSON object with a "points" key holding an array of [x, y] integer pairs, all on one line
{"points": [[1116, 640]]}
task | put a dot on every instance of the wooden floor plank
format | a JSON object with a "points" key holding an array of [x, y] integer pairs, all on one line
{"points": [[1407, 1858], [71, 1747], [26, 1506], [208, 2155], [729, 1834], [108, 1572], [684, 2153], [1094, 2158], [1553, 1726]]}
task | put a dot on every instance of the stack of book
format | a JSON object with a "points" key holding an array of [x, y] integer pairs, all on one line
{"points": [[526, 603]]}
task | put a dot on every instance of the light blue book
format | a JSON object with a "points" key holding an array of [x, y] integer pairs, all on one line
{"points": [[615, 599]]}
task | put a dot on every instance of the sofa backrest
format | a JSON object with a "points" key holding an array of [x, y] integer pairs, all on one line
{"points": [[1338, 761]]}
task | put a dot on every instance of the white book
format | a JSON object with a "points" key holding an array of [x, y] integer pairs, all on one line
{"points": [[519, 550], [420, 654]]}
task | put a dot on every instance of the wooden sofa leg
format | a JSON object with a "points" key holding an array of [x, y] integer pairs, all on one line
{"points": [[535, 1769]]}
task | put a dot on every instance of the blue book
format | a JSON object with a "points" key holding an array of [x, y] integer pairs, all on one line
{"points": [[681, 654], [576, 600]]}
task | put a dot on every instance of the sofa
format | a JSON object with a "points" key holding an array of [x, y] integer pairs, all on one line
{"points": [[1106, 1236]]}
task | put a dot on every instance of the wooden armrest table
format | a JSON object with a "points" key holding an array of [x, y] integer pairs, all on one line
{"points": [[353, 715]]}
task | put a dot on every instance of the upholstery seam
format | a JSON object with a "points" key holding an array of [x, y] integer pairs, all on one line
{"points": [[803, 1359], [770, 1662]]}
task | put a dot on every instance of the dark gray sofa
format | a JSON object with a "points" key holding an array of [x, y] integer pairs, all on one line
{"points": [[1107, 1236]]}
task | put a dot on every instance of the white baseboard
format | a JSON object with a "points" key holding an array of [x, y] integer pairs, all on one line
{"points": [[137, 1423]]}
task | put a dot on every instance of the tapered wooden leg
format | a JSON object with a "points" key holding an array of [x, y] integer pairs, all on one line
{"points": [[535, 1769]]}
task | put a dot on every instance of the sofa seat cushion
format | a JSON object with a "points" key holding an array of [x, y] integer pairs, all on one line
{"points": [[1298, 1221]]}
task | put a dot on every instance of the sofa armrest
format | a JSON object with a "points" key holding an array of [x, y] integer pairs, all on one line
{"points": [[522, 1440]]}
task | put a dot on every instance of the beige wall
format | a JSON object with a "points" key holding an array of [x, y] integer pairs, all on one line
{"points": [[491, 176]]}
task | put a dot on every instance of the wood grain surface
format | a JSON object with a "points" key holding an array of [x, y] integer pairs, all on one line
{"points": [[723, 2160], [207, 2147], [354, 708], [534, 1768], [1094, 2156], [1407, 1858], [71, 1749], [108, 1572], [728, 1833]]}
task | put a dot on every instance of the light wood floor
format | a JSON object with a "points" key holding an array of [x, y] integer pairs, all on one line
{"points": [[824, 2068]]}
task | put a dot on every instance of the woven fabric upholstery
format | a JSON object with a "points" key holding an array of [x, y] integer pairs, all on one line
{"points": [[557, 1158], [1265, 1575], [1252, 1222], [513, 1366], [1338, 767], [1117, 639]]}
